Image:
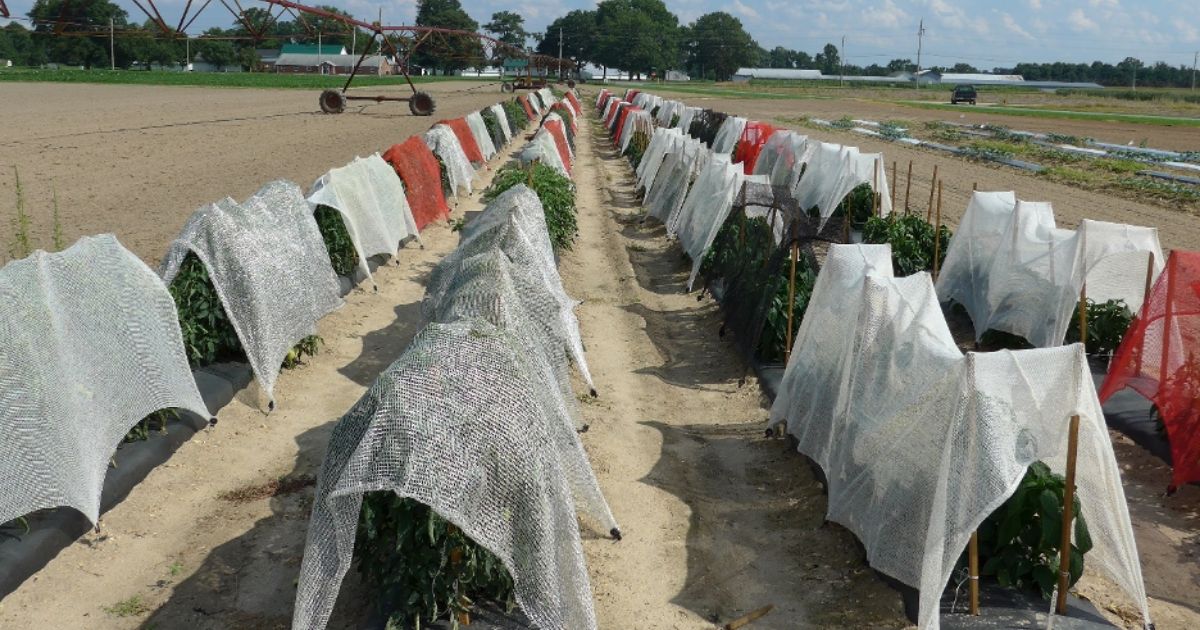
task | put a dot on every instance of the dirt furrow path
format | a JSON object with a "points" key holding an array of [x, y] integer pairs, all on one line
{"points": [[718, 520]]}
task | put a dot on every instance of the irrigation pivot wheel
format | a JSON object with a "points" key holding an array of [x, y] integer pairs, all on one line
{"points": [[333, 102], [421, 104], [506, 87]]}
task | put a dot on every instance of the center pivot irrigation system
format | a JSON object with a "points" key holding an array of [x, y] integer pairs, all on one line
{"points": [[401, 42]]}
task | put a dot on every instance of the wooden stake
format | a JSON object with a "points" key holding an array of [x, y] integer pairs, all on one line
{"points": [[1166, 344], [937, 242], [1083, 316], [932, 189], [1149, 280], [787, 350], [975, 186], [749, 617], [875, 191], [895, 176], [973, 567], [1064, 558], [908, 187]]}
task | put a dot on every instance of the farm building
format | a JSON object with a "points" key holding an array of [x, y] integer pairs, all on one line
{"points": [[296, 63], [927, 77], [314, 49]]}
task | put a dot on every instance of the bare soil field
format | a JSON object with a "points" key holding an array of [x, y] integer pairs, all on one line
{"points": [[137, 160]]}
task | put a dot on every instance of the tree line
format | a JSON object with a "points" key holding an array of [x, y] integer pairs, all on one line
{"points": [[641, 37]]}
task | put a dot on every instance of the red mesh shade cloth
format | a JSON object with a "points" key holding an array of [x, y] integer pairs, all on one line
{"points": [[466, 139], [562, 107], [751, 143], [630, 94], [524, 101], [574, 101], [418, 169], [1160, 359], [555, 127], [621, 121], [612, 113], [603, 98]]}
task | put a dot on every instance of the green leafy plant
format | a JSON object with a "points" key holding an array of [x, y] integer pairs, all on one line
{"points": [[1019, 543], [444, 175], [911, 238], [517, 118], [21, 245], [860, 203], [132, 607], [845, 122], [342, 253], [308, 347], [492, 122], [208, 335], [637, 147], [674, 121], [57, 235], [1106, 325], [894, 129], [156, 421], [555, 191], [422, 568]]}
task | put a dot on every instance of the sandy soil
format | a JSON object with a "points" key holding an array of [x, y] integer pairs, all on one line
{"points": [[137, 160]]}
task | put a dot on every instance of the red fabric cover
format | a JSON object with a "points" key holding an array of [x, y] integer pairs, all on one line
{"points": [[754, 136], [602, 99], [555, 127], [466, 139], [1165, 368], [612, 114], [621, 121], [574, 102], [561, 106], [524, 101], [418, 169], [629, 94]]}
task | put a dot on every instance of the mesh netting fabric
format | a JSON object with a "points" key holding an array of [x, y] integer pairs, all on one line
{"points": [[835, 170], [542, 148], [614, 111], [480, 132], [516, 221], [670, 187], [574, 100], [602, 97], [619, 114], [1157, 360], [529, 110], [418, 169], [920, 443], [705, 209], [91, 346], [964, 273], [784, 157], [370, 198], [502, 118], [635, 120], [461, 423], [663, 141], [686, 116], [466, 139], [554, 125], [728, 134], [667, 111], [442, 140], [268, 263], [754, 136]]}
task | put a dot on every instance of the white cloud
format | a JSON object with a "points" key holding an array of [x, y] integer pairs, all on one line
{"points": [[744, 10], [1036, 5], [1080, 22], [1013, 27], [1187, 32], [887, 16], [1112, 4]]}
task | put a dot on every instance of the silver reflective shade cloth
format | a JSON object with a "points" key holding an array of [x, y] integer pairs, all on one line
{"points": [[460, 423], [441, 140], [544, 149], [91, 345], [480, 133], [370, 198], [268, 263]]}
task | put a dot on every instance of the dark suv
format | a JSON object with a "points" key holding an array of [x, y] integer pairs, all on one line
{"points": [[963, 94]]}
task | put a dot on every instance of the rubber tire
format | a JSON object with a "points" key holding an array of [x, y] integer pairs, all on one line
{"points": [[571, 83], [421, 104], [506, 87], [332, 102]]}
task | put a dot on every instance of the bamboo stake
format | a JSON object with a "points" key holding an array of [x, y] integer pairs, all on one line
{"points": [[1149, 280], [973, 564], [932, 189], [937, 242], [895, 175], [908, 187], [875, 191], [749, 617], [1083, 316], [1064, 559], [787, 350], [1166, 344]]}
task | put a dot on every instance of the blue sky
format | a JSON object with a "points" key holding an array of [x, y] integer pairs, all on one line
{"points": [[985, 33]]}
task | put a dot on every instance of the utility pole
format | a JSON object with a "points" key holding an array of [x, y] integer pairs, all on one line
{"points": [[320, 70], [560, 44], [920, 40], [187, 53], [842, 65], [112, 56], [1195, 58]]}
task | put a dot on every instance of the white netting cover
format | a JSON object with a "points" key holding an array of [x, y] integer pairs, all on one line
{"points": [[441, 140], [544, 149], [667, 111], [964, 274], [371, 200], [1037, 271], [91, 345], [608, 108], [728, 135], [666, 194], [685, 118], [707, 206], [835, 170], [783, 158], [662, 142], [920, 443], [634, 121], [516, 223], [268, 263], [503, 118], [480, 133]]}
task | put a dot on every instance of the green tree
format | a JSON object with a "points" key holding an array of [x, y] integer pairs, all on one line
{"points": [[92, 17], [508, 27], [17, 45], [579, 33], [215, 51], [719, 45], [638, 36], [828, 60], [450, 52]]}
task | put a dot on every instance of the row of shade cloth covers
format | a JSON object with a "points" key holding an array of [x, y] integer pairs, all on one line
{"points": [[477, 420], [920, 443], [1013, 270], [691, 188], [1157, 359], [92, 337]]}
